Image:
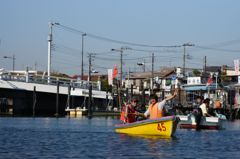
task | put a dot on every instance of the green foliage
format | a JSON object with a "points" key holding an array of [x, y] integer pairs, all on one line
{"points": [[196, 72], [104, 85]]}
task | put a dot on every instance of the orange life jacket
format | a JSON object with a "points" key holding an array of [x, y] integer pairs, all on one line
{"points": [[131, 115], [155, 112], [217, 104], [122, 117]]}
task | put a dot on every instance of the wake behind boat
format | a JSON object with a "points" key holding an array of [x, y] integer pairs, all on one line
{"points": [[165, 126]]}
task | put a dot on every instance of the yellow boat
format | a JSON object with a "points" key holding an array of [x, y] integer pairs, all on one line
{"points": [[165, 126]]}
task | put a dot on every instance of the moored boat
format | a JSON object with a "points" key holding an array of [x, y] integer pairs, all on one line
{"points": [[165, 126], [189, 122]]}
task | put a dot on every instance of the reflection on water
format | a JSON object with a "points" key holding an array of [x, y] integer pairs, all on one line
{"points": [[150, 137], [231, 125], [96, 138]]}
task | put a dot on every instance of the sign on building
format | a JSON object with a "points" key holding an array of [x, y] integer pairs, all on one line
{"points": [[193, 80]]}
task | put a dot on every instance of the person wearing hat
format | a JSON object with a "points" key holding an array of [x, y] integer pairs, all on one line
{"points": [[128, 114], [156, 109]]}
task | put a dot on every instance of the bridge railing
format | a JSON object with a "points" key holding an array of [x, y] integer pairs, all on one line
{"points": [[53, 81]]}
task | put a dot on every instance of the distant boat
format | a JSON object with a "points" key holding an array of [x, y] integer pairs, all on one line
{"points": [[76, 112], [165, 126], [189, 122]]}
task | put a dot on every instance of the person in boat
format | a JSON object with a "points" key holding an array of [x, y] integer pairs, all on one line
{"points": [[204, 107], [198, 101], [128, 114], [197, 112], [156, 109]]}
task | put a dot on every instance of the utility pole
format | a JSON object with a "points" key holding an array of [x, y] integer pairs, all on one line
{"points": [[82, 70], [184, 59], [121, 61], [152, 72], [50, 49], [216, 74], [205, 64], [90, 87], [35, 66], [121, 72], [57, 99], [128, 77], [144, 65], [184, 56], [13, 62]]}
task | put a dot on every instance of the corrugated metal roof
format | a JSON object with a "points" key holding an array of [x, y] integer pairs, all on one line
{"points": [[165, 72]]}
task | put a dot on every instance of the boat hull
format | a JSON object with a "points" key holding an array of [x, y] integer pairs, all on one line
{"points": [[189, 122], [165, 126]]}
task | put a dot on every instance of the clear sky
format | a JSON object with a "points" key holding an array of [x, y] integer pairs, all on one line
{"points": [[213, 26]]}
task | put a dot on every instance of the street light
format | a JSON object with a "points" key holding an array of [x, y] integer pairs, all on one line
{"points": [[82, 71], [13, 58], [142, 64], [94, 71], [184, 55]]}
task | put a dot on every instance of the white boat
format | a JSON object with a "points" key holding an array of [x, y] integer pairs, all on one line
{"points": [[76, 112], [189, 122]]}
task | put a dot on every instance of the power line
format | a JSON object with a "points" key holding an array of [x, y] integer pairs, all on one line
{"points": [[65, 63], [102, 58], [145, 45], [156, 51], [104, 53], [64, 54], [217, 49], [112, 40], [69, 49], [101, 67], [226, 43]]}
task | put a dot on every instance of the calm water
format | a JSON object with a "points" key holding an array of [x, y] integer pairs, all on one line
{"points": [[95, 138]]}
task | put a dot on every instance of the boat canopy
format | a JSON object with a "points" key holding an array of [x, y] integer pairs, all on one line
{"points": [[200, 87]]}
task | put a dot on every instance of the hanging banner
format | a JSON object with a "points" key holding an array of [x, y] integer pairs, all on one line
{"points": [[236, 66], [110, 74], [209, 81], [115, 72]]}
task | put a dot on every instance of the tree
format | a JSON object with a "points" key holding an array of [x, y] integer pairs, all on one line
{"points": [[196, 72], [105, 86]]}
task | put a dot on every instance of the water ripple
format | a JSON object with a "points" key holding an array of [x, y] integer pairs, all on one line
{"points": [[96, 138]]}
